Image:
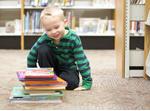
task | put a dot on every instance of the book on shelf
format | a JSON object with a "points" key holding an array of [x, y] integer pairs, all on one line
{"points": [[137, 1], [68, 2], [104, 3], [13, 26], [148, 19], [32, 22], [37, 3], [17, 23], [88, 25], [81, 25], [10, 27], [19, 95], [95, 26], [136, 27]]}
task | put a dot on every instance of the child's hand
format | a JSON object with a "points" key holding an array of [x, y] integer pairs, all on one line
{"points": [[80, 88]]}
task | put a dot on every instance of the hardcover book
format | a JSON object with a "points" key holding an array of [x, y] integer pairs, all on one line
{"points": [[19, 95], [36, 74]]}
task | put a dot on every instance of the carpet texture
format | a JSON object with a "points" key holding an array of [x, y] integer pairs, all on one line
{"points": [[109, 90]]}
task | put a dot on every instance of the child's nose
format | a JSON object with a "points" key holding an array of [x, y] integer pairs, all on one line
{"points": [[54, 31]]}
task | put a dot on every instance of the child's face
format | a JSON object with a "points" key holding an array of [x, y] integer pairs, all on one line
{"points": [[54, 27]]}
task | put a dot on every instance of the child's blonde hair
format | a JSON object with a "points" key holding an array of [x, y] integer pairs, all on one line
{"points": [[51, 11]]}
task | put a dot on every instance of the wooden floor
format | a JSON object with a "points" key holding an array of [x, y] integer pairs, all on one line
{"points": [[109, 90]]}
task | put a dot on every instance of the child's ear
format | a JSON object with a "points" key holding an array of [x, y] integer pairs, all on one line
{"points": [[66, 22]]}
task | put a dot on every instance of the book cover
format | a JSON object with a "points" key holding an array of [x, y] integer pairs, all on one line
{"points": [[41, 92], [21, 100], [89, 25], [41, 85], [58, 80], [41, 72], [21, 76], [18, 94], [38, 88], [36, 74], [18, 100], [58, 84]]}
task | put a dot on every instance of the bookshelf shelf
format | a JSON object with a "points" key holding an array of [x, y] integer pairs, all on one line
{"points": [[88, 8], [10, 34], [74, 8], [137, 35], [81, 34], [33, 8], [32, 34], [146, 23], [90, 34], [10, 7]]}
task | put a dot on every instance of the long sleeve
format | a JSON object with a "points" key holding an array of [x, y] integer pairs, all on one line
{"points": [[32, 56], [82, 63]]}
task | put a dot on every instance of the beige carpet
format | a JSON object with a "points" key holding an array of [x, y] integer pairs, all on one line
{"points": [[109, 90]]}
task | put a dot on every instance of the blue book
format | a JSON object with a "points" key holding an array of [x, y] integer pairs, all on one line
{"points": [[18, 95]]}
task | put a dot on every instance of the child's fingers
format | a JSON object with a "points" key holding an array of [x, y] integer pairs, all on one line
{"points": [[80, 89]]}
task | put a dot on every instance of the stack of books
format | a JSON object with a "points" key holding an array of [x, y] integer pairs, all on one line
{"points": [[39, 85]]}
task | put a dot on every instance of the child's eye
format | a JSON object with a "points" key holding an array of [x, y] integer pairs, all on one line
{"points": [[48, 30], [56, 27]]}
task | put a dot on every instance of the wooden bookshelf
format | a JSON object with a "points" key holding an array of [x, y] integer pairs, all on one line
{"points": [[10, 15], [147, 36], [22, 25], [80, 10], [120, 37], [127, 51]]}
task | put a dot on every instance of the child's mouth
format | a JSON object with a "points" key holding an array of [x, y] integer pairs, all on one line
{"points": [[56, 35]]}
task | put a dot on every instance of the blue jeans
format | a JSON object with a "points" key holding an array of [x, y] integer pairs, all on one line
{"points": [[46, 58]]}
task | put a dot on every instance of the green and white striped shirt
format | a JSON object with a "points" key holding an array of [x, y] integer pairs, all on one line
{"points": [[68, 52]]}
